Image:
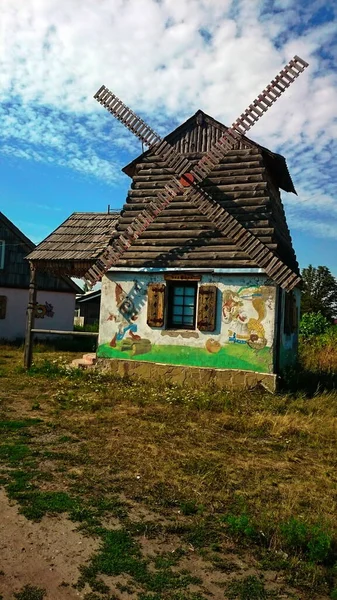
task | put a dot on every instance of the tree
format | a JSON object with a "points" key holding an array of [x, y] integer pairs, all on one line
{"points": [[319, 291]]}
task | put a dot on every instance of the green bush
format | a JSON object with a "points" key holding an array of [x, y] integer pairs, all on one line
{"points": [[240, 526], [313, 324], [310, 540]]}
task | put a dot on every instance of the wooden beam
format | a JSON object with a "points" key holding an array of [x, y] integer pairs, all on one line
{"points": [[61, 332], [28, 351]]}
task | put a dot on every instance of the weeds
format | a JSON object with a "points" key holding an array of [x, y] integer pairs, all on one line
{"points": [[249, 588], [30, 592], [311, 540]]}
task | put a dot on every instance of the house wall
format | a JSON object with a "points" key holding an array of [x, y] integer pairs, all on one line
{"points": [[245, 305], [288, 348], [56, 311]]}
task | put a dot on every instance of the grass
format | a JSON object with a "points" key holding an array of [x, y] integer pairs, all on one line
{"points": [[217, 474], [30, 592]]}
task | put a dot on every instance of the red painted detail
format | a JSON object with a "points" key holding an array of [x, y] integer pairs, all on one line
{"points": [[186, 180]]}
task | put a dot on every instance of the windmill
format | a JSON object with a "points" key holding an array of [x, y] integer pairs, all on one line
{"points": [[188, 179]]}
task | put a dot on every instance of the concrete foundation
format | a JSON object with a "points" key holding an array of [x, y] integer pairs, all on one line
{"points": [[192, 376]]}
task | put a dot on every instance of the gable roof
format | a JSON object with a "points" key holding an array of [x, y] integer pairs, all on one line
{"points": [[16, 271], [198, 134], [75, 245]]}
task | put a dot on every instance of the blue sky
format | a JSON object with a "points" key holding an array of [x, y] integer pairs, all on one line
{"points": [[61, 152]]}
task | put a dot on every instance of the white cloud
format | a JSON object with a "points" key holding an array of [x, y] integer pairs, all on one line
{"points": [[167, 58]]}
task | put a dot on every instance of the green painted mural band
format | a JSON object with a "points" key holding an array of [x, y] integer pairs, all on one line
{"points": [[231, 356]]}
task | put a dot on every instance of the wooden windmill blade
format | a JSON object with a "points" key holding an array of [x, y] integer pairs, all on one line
{"points": [[249, 117], [186, 175]]}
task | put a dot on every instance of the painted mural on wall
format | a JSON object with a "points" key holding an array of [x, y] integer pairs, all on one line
{"points": [[243, 338], [244, 311], [44, 310]]}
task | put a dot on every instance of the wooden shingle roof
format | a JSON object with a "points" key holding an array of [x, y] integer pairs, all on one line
{"points": [[246, 183], [76, 243]]}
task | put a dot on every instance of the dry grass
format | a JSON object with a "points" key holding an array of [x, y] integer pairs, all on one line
{"points": [[191, 457]]}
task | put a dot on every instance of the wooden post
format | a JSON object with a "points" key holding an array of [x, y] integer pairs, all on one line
{"points": [[28, 352]]}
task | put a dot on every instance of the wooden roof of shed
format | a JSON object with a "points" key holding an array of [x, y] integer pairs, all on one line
{"points": [[76, 243]]}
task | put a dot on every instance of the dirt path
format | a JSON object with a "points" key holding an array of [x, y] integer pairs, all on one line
{"points": [[45, 554]]}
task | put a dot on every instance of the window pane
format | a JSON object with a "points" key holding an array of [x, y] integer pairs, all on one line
{"points": [[178, 301], [177, 310], [189, 291], [177, 320], [189, 310], [178, 291], [188, 321]]}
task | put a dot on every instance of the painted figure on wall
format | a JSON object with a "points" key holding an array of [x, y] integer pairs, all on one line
{"points": [[44, 310], [125, 318], [244, 311]]}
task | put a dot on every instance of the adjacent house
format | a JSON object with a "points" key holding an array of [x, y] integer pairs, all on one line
{"points": [[56, 296], [184, 301]]}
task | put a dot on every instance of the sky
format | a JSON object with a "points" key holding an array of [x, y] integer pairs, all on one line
{"points": [[61, 152]]}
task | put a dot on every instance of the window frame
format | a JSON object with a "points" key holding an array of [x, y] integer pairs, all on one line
{"points": [[171, 285], [2, 254]]}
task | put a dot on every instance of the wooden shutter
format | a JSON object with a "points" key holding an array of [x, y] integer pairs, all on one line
{"points": [[3, 305], [155, 304], [207, 307]]}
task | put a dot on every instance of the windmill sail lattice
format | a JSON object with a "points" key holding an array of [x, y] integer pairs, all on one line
{"points": [[189, 177]]}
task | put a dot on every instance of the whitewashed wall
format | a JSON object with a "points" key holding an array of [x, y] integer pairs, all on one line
{"points": [[237, 290], [13, 326]]}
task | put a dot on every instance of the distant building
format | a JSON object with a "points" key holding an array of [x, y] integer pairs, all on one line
{"points": [[56, 296], [88, 307]]}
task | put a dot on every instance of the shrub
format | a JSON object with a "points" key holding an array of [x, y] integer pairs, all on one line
{"points": [[311, 540], [240, 526], [313, 324]]}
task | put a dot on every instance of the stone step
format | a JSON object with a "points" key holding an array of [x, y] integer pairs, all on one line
{"points": [[90, 357], [88, 360]]}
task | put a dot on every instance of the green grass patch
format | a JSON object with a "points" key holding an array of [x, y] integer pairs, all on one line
{"points": [[120, 554], [14, 454], [17, 425], [30, 592], [248, 588]]}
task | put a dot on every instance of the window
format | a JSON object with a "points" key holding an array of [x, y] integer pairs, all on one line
{"points": [[181, 305], [176, 305], [2, 254]]}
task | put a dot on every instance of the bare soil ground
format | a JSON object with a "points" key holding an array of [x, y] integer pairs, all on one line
{"points": [[46, 554]]}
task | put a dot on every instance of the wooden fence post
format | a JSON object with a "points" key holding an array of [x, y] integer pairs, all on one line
{"points": [[28, 352]]}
